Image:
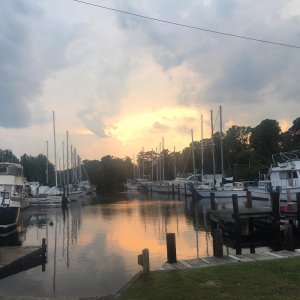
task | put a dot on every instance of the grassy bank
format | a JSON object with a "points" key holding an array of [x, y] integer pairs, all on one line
{"points": [[276, 279]]}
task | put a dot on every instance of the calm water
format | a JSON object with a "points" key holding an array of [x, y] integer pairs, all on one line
{"points": [[92, 250]]}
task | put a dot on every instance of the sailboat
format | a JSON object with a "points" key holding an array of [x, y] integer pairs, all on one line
{"points": [[216, 183], [45, 195]]}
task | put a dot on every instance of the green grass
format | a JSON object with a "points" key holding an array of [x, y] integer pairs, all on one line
{"points": [[276, 279]]}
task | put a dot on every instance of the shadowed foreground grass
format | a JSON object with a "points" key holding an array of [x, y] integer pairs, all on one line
{"points": [[276, 279]]}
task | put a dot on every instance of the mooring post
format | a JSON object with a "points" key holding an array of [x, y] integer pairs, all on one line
{"points": [[276, 218], [217, 243], [44, 252], [249, 200], [171, 248], [44, 246], [213, 205], [143, 260], [298, 211], [288, 237], [236, 215], [178, 190], [173, 191]]}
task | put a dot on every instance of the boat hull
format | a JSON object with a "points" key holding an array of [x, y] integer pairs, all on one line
{"points": [[8, 219], [220, 193]]}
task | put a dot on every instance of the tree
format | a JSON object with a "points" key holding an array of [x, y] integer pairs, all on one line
{"points": [[265, 141], [8, 156]]}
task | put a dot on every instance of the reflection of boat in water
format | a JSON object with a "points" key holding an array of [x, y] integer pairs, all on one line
{"points": [[12, 191]]}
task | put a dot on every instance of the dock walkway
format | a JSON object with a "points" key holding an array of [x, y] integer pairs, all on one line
{"points": [[228, 259]]}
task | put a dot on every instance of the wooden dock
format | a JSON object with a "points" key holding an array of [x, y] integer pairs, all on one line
{"points": [[16, 259], [249, 227], [228, 259]]}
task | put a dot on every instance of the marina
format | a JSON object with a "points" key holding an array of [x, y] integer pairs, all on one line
{"points": [[88, 238]]}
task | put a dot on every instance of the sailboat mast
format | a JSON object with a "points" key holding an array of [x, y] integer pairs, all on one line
{"points": [[175, 171], [221, 142], [55, 161], [213, 146], [68, 180], [163, 158], [193, 154], [202, 145], [47, 171]]}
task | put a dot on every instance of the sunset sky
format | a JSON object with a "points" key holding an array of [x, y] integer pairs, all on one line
{"points": [[119, 83]]}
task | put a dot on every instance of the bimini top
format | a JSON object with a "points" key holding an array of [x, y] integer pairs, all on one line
{"points": [[7, 168], [284, 157]]}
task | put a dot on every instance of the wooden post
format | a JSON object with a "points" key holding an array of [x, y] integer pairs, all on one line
{"points": [[178, 191], [217, 243], [288, 237], [143, 260], [173, 191], [249, 200], [237, 225], [275, 206], [185, 194], [298, 210], [276, 219], [213, 205], [171, 248], [44, 254]]}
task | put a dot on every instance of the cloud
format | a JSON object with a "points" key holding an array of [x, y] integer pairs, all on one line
{"points": [[236, 71], [31, 47]]}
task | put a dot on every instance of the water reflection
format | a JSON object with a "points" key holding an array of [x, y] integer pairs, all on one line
{"points": [[92, 250]]}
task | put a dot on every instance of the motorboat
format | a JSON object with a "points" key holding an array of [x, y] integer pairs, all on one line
{"points": [[283, 177], [12, 193]]}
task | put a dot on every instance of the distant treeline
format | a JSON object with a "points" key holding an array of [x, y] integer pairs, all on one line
{"points": [[246, 153]]}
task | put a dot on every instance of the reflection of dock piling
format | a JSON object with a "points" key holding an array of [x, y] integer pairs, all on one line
{"points": [[14, 260]]}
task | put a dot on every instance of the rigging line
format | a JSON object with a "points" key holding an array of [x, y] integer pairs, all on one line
{"points": [[189, 26]]}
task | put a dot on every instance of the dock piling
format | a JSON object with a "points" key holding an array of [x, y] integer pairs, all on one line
{"points": [[143, 260], [171, 248], [217, 243]]}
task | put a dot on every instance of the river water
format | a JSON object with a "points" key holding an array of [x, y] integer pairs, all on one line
{"points": [[92, 249]]}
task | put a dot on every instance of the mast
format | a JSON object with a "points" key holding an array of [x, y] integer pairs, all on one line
{"points": [[55, 161], [175, 171], [221, 142], [134, 176], [143, 164], [163, 159], [202, 145], [68, 180], [152, 165], [47, 171], [63, 163], [213, 147], [193, 154]]}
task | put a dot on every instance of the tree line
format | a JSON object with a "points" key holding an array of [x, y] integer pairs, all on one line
{"points": [[247, 152]]}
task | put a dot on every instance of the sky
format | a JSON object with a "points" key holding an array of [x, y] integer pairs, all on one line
{"points": [[120, 83]]}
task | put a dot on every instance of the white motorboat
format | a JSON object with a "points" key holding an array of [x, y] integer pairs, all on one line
{"points": [[12, 191], [283, 176]]}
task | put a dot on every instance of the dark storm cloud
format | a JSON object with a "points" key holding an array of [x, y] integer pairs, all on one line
{"points": [[234, 70], [31, 47]]}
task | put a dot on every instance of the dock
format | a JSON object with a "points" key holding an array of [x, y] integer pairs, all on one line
{"points": [[14, 259], [277, 226], [228, 259]]}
